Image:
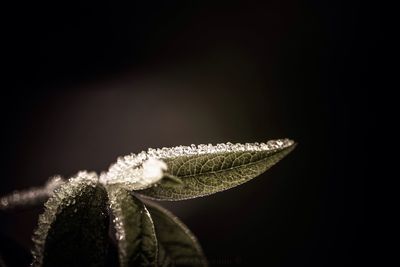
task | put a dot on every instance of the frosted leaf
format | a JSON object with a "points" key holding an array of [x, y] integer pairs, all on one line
{"points": [[73, 229], [207, 169]]}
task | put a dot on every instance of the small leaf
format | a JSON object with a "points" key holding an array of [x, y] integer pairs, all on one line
{"points": [[177, 245], [73, 230], [207, 169], [135, 234]]}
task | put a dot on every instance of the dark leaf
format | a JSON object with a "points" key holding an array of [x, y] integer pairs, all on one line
{"points": [[73, 230], [177, 245], [135, 234]]}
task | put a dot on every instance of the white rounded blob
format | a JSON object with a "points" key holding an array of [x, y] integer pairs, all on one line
{"points": [[153, 170], [136, 177]]}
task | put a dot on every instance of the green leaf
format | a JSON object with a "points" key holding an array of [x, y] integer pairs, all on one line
{"points": [[135, 234], [177, 245], [207, 169], [73, 230]]}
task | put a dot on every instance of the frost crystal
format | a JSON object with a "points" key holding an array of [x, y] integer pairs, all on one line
{"points": [[138, 177], [153, 170]]}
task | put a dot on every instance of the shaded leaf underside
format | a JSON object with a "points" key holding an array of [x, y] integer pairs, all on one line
{"points": [[135, 234], [177, 245]]}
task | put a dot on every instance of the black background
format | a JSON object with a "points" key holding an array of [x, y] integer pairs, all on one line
{"points": [[86, 83]]}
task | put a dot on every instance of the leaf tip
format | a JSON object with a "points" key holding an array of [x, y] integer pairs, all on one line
{"points": [[290, 144]]}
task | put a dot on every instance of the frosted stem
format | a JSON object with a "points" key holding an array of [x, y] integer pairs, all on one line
{"points": [[32, 196]]}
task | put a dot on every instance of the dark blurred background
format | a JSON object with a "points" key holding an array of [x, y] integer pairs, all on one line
{"points": [[86, 83]]}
